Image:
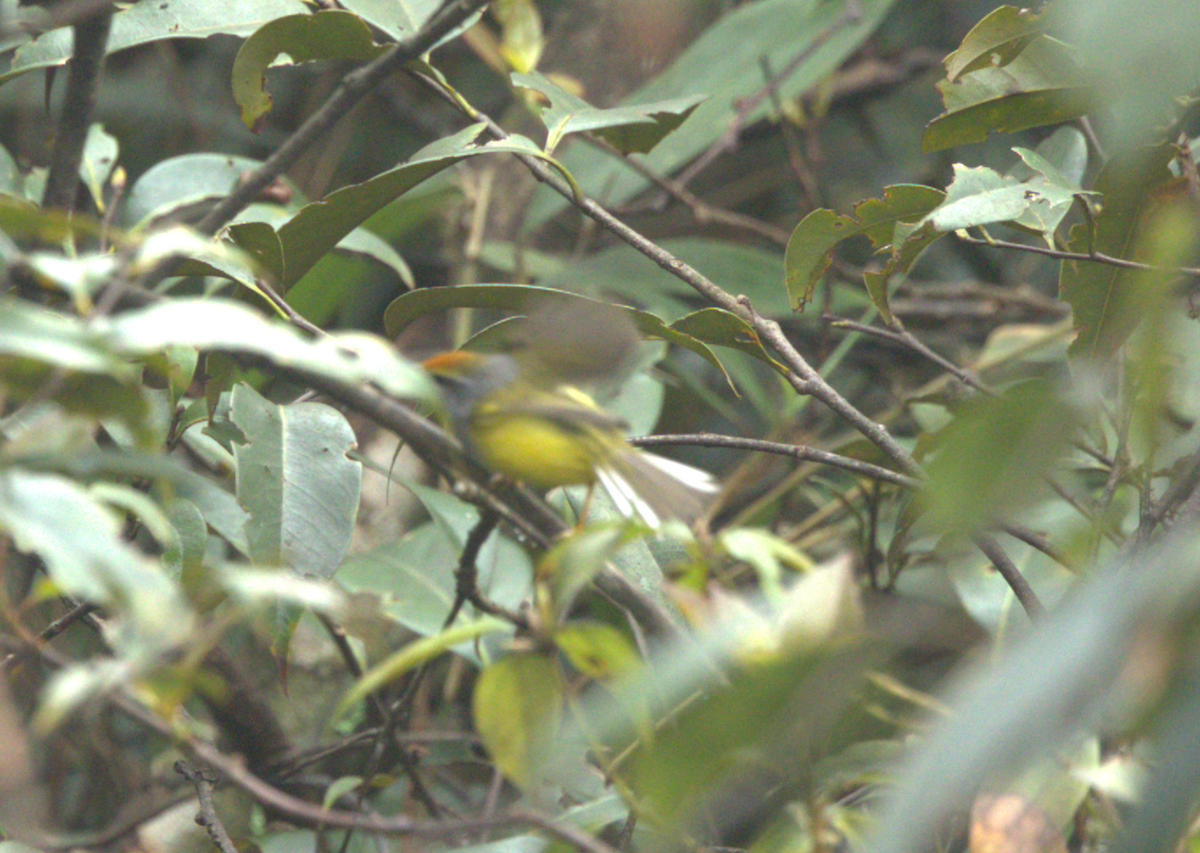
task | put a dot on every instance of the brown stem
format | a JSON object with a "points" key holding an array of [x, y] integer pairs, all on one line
{"points": [[79, 103]]}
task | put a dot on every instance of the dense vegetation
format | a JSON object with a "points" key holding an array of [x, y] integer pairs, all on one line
{"points": [[913, 279]]}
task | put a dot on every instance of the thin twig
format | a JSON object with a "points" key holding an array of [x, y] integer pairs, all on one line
{"points": [[797, 451], [743, 107], [1012, 576], [702, 211], [466, 575], [1037, 542], [207, 816], [294, 317], [1093, 256], [908, 339], [352, 89], [234, 770]]}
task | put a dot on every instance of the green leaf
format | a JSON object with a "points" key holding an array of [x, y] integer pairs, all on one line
{"points": [[720, 327], [995, 41], [571, 565], [183, 187], [1043, 85], [725, 64], [1055, 171], [810, 247], [142, 23], [992, 457], [294, 480], [1108, 302], [217, 324], [184, 555], [633, 128], [14, 182], [99, 160], [981, 196], [517, 706], [319, 226], [79, 540], [415, 654], [913, 241], [259, 240], [32, 332], [304, 38], [399, 21]]}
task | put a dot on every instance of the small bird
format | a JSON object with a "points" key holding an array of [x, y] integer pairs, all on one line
{"points": [[519, 422]]}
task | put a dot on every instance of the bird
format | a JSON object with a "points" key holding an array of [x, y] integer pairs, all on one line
{"points": [[513, 416]]}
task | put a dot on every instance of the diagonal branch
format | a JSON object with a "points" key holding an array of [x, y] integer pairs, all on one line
{"points": [[353, 88], [801, 375]]}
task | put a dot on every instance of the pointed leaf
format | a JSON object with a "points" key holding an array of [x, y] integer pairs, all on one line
{"points": [[1108, 302], [995, 41], [633, 128], [304, 38]]}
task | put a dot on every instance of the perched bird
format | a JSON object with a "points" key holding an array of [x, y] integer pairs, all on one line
{"points": [[513, 417]]}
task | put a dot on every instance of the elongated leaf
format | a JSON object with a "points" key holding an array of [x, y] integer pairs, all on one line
{"points": [[995, 41], [417, 653], [1107, 301], [179, 185], [217, 324], [633, 128], [142, 23], [319, 227]]}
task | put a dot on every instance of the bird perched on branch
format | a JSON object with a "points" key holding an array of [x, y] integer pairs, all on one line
{"points": [[522, 415]]}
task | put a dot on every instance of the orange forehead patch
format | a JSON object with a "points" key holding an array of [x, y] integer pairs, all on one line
{"points": [[449, 362]]}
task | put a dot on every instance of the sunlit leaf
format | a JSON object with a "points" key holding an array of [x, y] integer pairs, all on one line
{"points": [[295, 482]]}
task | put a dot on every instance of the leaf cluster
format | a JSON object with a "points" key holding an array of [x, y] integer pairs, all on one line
{"points": [[946, 593]]}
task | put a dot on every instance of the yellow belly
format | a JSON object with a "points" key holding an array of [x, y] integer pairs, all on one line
{"points": [[535, 451]]}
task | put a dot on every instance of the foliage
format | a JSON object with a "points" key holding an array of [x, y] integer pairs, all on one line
{"points": [[945, 598]]}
